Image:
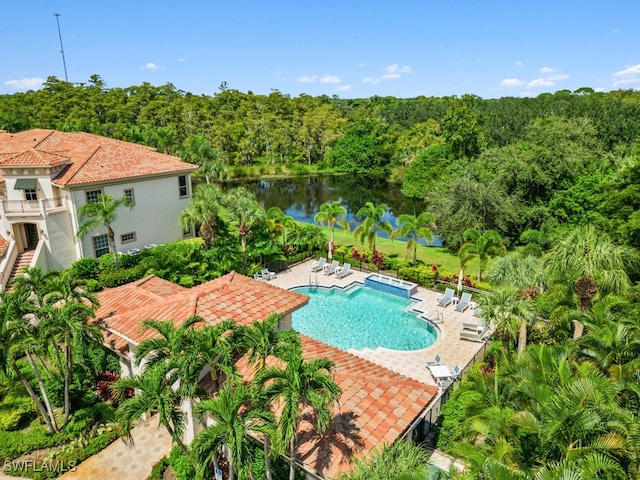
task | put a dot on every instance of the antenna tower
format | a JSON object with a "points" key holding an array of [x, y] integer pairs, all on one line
{"points": [[64, 64]]}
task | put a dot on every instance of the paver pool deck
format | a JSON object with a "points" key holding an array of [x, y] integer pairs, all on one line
{"points": [[448, 346]]}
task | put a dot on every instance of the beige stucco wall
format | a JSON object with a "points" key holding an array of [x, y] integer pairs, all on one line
{"points": [[154, 218], [59, 239]]}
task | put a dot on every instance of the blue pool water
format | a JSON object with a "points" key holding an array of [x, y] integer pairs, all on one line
{"points": [[361, 318]]}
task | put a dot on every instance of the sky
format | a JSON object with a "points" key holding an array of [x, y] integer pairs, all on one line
{"points": [[347, 48]]}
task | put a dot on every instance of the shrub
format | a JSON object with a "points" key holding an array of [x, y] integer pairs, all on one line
{"points": [[299, 169], [15, 444], [92, 285], [157, 472], [422, 274], [14, 414], [181, 464], [86, 268], [115, 278]]}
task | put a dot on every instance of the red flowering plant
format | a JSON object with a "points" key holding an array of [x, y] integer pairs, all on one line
{"points": [[434, 269], [377, 259], [360, 256]]}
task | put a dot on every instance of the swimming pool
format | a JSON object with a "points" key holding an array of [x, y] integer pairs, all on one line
{"points": [[359, 318]]}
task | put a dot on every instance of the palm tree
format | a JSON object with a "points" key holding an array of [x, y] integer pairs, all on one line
{"points": [[63, 287], [400, 460], [372, 217], [510, 312], [101, 214], [588, 260], [66, 325], [167, 344], [263, 340], [154, 394], [332, 214], [203, 212], [236, 419], [300, 384], [278, 222], [35, 281], [525, 273], [484, 246], [14, 328], [245, 211], [415, 228]]}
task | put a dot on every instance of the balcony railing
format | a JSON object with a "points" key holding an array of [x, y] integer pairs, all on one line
{"points": [[33, 206]]}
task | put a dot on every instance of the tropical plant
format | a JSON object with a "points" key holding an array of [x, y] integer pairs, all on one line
{"points": [[510, 313], [236, 417], [101, 214], [415, 228], [590, 262], [245, 211], [202, 213], [482, 245], [372, 218], [300, 384], [278, 223], [332, 213]]}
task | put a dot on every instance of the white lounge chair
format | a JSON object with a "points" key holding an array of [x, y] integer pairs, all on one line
{"points": [[464, 302], [346, 270], [332, 268], [267, 275], [317, 267], [447, 298], [477, 312], [474, 336], [436, 361], [258, 276]]}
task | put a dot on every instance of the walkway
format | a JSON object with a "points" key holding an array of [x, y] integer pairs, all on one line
{"points": [[119, 461]]}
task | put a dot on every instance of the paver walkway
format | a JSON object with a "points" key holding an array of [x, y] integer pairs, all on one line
{"points": [[120, 461]]}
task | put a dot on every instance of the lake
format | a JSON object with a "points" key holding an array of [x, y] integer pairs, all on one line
{"points": [[301, 197]]}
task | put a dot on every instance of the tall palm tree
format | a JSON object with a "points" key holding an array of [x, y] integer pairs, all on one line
{"points": [[372, 218], [510, 313], [263, 340], [246, 212], [101, 214], [167, 344], [484, 245], [236, 419], [332, 213], [154, 394], [300, 384], [35, 281], [64, 287], [525, 273], [203, 212], [415, 228], [590, 262], [278, 222], [66, 324]]}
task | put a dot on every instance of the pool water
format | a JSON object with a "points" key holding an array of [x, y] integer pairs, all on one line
{"points": [[360, 318]]}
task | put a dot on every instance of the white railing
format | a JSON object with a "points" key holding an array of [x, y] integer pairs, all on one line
{"points": [[6, 265], [34, 206]]}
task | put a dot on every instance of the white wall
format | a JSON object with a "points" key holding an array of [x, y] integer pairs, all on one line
{"points": [[60, 240], [155, 218]]}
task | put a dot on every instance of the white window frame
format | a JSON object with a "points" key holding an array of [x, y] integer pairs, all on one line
{"points": [[97, 238], [30, 192], [132, 235]]}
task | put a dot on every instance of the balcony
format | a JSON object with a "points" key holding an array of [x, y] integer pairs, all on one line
{"points": [[33, 207]]}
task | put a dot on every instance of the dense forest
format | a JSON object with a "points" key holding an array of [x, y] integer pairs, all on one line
{"points": [[513, 165]]}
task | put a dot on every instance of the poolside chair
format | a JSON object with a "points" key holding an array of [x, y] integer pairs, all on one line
{"points": [[477, 312], [447, 298], [258, 276], [317, 267], [267, 275], [436, 361], [464, 302], [346, 270], [456, 370], [332, 268]]}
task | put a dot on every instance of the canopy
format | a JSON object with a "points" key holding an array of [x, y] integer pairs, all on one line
{"points": [[25, 184]]}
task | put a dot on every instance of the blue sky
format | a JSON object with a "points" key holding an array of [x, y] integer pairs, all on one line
{"points": [[349, 48]]}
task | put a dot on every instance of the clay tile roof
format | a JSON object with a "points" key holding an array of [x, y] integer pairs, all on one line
{"points": [[4, 244], [89, 158], [233, 296], [376, 406]]}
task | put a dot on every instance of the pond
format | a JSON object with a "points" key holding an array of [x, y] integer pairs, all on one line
{"points": [[301, 197]]}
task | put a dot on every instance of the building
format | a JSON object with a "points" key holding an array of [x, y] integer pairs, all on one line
{"points": [[376, 405], [46, 175]]}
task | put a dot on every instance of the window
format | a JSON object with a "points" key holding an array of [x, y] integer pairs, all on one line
{"points": [[183, 186], [128, 237], [100, 245], [92, 195], [187, 232], [128, 192], [30, 194]]}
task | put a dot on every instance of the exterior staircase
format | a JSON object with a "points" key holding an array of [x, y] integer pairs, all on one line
{"points": [[23, 260]]}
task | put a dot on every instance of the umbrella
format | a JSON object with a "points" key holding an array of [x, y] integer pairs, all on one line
{"points": [[330, 250], [460, 277]]}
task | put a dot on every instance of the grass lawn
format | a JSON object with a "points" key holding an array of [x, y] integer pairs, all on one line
{"points": [[443, 257]]}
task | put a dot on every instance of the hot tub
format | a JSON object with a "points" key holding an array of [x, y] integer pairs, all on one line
{"points": [[390, 285]]}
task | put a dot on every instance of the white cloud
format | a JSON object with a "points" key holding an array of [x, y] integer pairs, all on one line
{"points": [[370, 80], [627, 77], [627, 82], [540, 83], [635, 70], [308, 79], [526, 94], [518, 63], [547, 70], [511, 82], [558, 77], [397, 69], [326, 78], [361, 64], [390, 76], [343, 88], [182, 60], [152, 66], [25, 83]]}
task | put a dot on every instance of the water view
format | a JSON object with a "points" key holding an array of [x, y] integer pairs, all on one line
{"points": [[301, 197]]}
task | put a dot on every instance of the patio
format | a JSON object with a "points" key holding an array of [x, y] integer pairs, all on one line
{"points": [[412, 364]]}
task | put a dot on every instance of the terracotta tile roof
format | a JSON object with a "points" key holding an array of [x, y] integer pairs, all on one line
{"points": [[376, 406], [89, 158], [232, 296], [4, 244]]}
